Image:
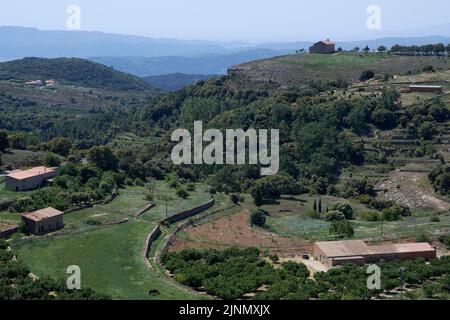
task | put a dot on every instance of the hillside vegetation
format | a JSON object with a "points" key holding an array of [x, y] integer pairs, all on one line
{"points": [[294, 70], [71, 71]]}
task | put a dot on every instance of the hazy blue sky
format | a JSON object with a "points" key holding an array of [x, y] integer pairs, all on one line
{"points": [[249, 20]]}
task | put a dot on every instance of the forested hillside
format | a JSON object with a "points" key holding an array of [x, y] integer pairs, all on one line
{"points": [[71, 71]]}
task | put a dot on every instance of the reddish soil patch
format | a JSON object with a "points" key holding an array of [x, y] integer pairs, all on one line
{"points": [[235, 230]]}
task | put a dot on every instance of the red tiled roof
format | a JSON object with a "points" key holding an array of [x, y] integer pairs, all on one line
{"points": [[37, 171], [42, 214], [327, 41]]}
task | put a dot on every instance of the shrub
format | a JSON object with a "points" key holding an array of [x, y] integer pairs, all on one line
{"points": [[25, 204], [182, 193], [371, 216], [342, 229], [334, 215], [274, 258], [422, 237], [435, 219], [313, 214], [445, 239], [258, 218], [345, 208], [367, 75]]}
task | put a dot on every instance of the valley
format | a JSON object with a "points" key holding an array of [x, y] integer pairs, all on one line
{"points": [[360, 159]]}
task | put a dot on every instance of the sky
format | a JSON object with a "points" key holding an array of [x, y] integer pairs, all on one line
{"points": [[234, 20]]}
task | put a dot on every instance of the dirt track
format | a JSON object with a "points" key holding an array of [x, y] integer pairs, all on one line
{"points": [[235, 230]]}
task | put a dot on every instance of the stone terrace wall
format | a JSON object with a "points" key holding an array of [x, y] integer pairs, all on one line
{"points": [[189, 213]]}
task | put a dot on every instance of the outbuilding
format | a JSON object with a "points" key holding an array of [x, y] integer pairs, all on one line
{"points": [[323, 47], [29, 179], [43, 221], [357, 252], [421, 88]]}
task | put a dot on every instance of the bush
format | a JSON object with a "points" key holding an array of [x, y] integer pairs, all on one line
{"points": [[345, 208], [422, 237], [182, 193], [258, 218], [342, 229], [334, 216], [367, 75], [371, 216], [25, 204], [313, 214], [445, 240], [435, 219]]}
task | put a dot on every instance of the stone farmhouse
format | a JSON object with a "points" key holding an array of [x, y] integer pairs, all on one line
{"points": [[43, 221], [323, 47], [29, 179]]}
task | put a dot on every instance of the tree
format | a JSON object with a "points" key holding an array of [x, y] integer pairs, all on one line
{"points": [[334, 215], [319, 206], [345, 208], [103, 158], [18, 141], [366, 75], [366, 49], [258, 218], [52, 160], [4, 140], [382, 49], [315, 206], [356, 49], [342, 229], [60, 145]]}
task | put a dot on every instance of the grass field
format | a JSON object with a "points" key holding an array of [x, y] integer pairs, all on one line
{"points": [[110, 257], [289, 219], [341, 60], [6, 194]]}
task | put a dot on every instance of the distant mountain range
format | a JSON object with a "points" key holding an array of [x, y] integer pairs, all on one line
{"points": [[175, 81], [143, 56], [203, 64]]}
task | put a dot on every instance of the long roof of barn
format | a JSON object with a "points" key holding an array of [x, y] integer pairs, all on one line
{"points": [[33, 172], [348, 248]]}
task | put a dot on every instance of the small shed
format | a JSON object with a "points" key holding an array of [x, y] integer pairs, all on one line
{"points": [[43, 221]]}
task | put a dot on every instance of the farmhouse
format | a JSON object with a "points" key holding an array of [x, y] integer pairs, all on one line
{"points": [[7, 230], [433, 89], [43, 221], [323, 47], [29, 179], [334, 253]]}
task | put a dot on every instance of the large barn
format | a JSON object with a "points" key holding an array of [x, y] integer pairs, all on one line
{"points": [[334, 253], [323, 47], [29, 179]]}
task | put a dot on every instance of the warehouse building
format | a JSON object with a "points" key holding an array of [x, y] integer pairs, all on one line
{"points": [[430, 89], [43, 221], [29, 179], [357, 252]]}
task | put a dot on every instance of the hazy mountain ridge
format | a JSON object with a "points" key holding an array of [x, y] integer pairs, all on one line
{"points": [[176, 81]]}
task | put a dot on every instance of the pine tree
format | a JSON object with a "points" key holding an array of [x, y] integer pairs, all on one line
{"points": [[320, 205], [315, 206]]}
